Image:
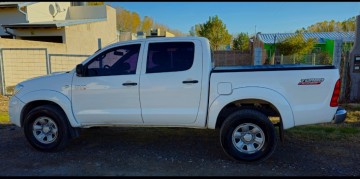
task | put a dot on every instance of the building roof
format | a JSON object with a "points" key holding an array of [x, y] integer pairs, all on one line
{"points": [[57, 23], [320, 36], [15, 4]]}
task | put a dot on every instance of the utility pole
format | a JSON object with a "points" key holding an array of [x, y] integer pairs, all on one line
{"points": [[355, 65]]}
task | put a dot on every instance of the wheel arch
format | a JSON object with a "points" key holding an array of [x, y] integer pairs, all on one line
{"points": [[43, 97], [275, 104]]}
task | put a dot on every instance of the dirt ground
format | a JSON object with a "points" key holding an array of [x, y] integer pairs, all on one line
{"points": [[170, 152]]}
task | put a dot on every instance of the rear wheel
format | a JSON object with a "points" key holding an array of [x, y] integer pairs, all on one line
{"points": [[46, 128], [248, 135]]}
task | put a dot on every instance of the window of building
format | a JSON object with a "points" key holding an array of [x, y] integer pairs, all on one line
{"points": [[56, 39]]}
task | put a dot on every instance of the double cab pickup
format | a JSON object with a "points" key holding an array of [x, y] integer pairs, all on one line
{"points": [[172, 82]]}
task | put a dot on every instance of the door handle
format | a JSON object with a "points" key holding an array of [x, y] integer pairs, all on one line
{"points": [[129, 84], [190, 81]]}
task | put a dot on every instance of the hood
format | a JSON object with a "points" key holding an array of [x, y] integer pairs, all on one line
{"points": [[54, 82], [44, 76]]}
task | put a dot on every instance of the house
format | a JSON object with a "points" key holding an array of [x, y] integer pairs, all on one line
{"points": [[159, 33], [58, 22], [38, 38], [324, 40]]}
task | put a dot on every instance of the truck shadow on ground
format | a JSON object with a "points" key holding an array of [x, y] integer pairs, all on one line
{"points": [[167, 151]]}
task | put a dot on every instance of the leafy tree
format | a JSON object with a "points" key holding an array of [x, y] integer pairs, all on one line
{"points": [[349, 24], [123, 18], [325, 58], [135, 23], [241, 42], [296, 45], [147, 24], [216, 32], [177, 33], [331, 26], [194, 30], [95, 3], [128, 21], [302, 30]]}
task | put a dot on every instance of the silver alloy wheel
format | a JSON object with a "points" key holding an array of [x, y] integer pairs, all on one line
{"points": [[45, 130], [248, 138]]}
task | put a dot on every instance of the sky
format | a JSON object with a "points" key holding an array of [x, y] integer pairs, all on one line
{"points": [[248, 17]]}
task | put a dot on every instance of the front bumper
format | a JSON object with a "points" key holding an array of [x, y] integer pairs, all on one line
{"points": [[15, 107], [339, 116]]}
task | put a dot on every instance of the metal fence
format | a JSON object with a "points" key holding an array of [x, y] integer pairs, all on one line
{"points": [[19, 64], [233, 57], [311, 59]]}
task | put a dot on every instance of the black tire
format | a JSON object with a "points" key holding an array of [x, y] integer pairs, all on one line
{"points": [[55, 120], [255, 125]]}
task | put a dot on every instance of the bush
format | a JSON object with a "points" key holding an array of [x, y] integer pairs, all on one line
{"points": [[9, 90], [324, 58]]}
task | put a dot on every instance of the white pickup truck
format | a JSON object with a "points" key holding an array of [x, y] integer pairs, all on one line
{"points": [[172, 82]]}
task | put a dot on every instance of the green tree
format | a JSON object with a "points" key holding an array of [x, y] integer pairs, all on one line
{"points": [[296, 45], [302, 30], [216, 32], [241, 42], [331, 26], [349, 24], [194, 30], [324, 58]]}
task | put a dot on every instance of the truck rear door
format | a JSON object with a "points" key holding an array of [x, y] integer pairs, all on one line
{"points": [[170, 82]]}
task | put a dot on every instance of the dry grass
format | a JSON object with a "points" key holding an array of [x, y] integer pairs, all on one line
{"points": [[350, 129], [4, 100], [4, 117]]}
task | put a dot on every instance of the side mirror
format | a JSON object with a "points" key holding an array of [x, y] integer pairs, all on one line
{"points": [[80, 70]]}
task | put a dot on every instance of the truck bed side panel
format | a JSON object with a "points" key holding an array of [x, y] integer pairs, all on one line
{"points": [[310, 102]]}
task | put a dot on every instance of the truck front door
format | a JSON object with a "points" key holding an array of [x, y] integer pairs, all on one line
{"points": [[108, 93]]}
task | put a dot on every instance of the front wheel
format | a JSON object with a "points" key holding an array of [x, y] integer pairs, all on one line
{"points": [[248, 135], [46, 128]]}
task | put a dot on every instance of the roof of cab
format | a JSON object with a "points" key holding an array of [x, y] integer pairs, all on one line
{"points": [[157, 39]]}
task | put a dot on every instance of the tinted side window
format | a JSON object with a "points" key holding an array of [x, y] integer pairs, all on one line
{"points": [[116, 61], [170, 57]]}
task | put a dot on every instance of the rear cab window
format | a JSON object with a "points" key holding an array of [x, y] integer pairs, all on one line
{"points": [[170, 57]]}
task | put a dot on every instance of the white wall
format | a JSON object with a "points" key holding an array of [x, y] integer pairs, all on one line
{"points": [[87, 12], [41, 11], [76, 36]]}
